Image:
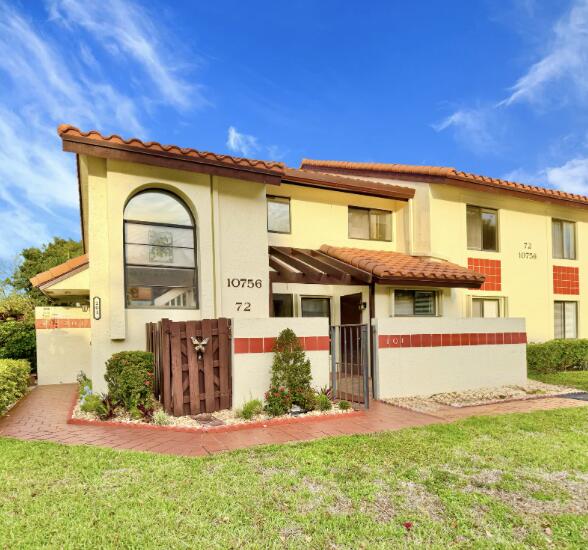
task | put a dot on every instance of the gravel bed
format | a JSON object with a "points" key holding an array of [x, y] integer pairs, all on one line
{"points": [[482, 396], [225, 417]]}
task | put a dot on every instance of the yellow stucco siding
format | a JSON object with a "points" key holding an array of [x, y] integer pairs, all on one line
{"points": [[320, 217], [527, 283]]}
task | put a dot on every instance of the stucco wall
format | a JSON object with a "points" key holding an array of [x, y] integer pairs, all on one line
{"points": [[231, 241], [434, 355], [252, 358], [63, 344], [320, 217]]}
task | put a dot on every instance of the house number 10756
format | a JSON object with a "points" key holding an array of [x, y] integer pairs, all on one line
{"points": [[243, 283]]}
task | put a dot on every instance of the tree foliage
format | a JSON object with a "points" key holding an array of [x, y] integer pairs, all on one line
{"points": [[35, 260]]}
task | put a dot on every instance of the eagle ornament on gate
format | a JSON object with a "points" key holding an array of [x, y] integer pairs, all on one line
{"points": [[199, 346]]}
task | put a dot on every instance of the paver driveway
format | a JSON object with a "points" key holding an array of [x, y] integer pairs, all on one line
{"points": [[42, 415]]}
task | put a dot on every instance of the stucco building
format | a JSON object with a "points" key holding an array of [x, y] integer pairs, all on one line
{"points": [[176, 233]]}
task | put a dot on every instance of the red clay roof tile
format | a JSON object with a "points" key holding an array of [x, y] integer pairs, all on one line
{"points": [[59, 270], [390, 267], [444, 174], [67, 131]]}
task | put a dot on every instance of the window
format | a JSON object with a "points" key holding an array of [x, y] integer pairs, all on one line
{"points": [[486, 307], [283, 305], [409, 303], [160, 257], [278, 214], [565, 320], [315, 307], [370, 224], [563, 239], [482, 228]]}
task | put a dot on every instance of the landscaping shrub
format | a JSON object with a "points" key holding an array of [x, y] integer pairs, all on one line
{"points": [[307, 400], [94, 404], [161, 418], [344, 405], [557, 355], [323, 402], [250, 409], [84, 384], [17, 341], [14, 380], [291, 367], [129, 375], [277, 401]]}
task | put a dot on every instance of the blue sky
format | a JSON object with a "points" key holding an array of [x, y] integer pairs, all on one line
{"points": [[497, 88]]}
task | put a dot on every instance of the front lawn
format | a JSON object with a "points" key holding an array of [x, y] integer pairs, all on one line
{"points": [[575, 378], [507, 481]]}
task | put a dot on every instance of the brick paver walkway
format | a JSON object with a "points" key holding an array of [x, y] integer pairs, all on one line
{"points": [[42, 415]]}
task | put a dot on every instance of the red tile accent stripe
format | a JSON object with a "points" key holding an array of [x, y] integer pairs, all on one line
{"points": [[447, 340], [491, 268], [52, 324], [566, 280], [265, 345]]}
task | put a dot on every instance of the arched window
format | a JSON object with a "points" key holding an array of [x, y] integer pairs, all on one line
{"points": [[160, 255]]}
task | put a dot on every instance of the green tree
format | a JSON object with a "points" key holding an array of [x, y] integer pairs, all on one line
{"points": [[35, 260]]}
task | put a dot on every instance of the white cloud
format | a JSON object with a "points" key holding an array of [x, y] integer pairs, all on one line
{"points": [[565, 59], [472, 128], [571, 176], [44, 81], [243, 144], [124, 28]]}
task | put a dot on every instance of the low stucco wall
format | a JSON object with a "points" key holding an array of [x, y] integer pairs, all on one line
{"points": [[436, 355], [252, 355], [63, 344]]}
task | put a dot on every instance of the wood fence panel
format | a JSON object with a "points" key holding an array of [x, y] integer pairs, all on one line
{"points": [[190, 382], [224, 358], [193, 370], [208, 365]]}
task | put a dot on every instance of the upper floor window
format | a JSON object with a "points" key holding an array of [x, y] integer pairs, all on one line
{"points": [[563, 239], [278, 214], [482, 228], [160, 255], [409, 303], [370, 224]]}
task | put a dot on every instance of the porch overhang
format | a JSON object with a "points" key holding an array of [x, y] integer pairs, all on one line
{"points": [[353, 266]]}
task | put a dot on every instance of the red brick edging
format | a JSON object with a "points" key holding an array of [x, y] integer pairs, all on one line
{"points": [[226, 428]]}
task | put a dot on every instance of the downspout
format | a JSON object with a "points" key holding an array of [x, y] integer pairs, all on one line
{"points": [[373, 340]]}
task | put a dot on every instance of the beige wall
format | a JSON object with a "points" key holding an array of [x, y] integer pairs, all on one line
{"points": [[252, 371], [408, 371], [319, 217], [527, 284], [231, 243], [63, 344]]}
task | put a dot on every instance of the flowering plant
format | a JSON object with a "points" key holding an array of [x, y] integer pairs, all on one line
{"points": [[278, 401]]}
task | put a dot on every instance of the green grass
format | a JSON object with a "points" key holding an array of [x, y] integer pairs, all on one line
{"points": [[511, 481], [575, 379]]}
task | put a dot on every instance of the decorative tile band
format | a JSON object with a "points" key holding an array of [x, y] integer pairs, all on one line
{"points": [[491, 268], [566, 280], [52, 324], [266, 345], [446, 340]]}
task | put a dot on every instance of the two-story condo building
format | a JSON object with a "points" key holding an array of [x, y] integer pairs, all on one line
{"points": [[425, 256]]}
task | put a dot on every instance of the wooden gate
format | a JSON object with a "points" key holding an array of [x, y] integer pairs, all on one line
{"points": [[187, 381]]}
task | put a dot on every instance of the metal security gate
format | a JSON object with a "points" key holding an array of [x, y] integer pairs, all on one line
{"points": [[192, 365], [350, 376]]}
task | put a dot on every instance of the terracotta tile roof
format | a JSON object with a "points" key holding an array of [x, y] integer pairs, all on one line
{"points": [[442, 174], [395, 267], [59, 270], [71, 133], [350, 184]]}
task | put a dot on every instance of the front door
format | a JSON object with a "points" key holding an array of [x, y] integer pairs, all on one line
{"points": [[351, 308]]}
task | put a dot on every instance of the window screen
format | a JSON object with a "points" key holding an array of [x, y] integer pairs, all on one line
{"points": [[410, 303], [369, 224]]}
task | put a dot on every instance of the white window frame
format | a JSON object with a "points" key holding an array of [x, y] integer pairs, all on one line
{"points": [[438, 294], [562, 257], [577, 304], [503, 305], [278, 198], [482, 209], [369, 211]]}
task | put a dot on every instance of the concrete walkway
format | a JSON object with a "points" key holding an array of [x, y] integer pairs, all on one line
{"points": [[42, 415]]}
